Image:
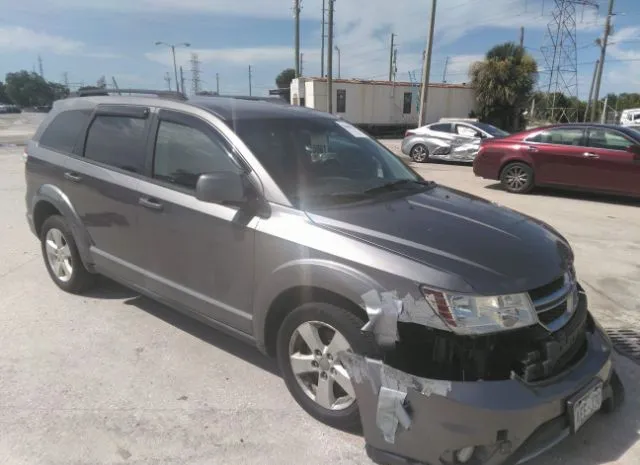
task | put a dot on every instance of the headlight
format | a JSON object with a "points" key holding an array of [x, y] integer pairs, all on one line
{"points": [[466, 314]]}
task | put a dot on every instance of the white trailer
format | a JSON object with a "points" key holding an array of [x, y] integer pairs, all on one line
{"points": [[383, 106]]}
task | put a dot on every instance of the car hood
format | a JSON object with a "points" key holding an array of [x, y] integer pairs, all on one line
{"points": [[495, 250]]}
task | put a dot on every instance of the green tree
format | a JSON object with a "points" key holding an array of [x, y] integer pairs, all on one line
{"points": [[4, 98], [504, 82], [28, 89], [283, 80], [59, 91]]}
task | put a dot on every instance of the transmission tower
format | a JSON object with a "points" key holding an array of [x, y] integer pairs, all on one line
{"points": [[195, 73], [40, 68], [561, 57]]}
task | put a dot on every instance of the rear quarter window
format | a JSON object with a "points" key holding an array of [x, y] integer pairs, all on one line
{"points": [[63, 132]]}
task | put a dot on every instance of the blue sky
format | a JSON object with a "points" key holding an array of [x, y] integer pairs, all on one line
{"points": [[90, 38]]}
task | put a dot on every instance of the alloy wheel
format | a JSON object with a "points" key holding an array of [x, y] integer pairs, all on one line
{"points": [[516, 178], [313, 353], [419, 153], [59, 255]]}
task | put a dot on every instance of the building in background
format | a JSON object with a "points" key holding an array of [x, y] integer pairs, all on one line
{"points": [[383, 107]]}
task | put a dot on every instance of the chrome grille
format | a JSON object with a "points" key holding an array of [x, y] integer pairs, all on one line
{"points": [[556, 301]]}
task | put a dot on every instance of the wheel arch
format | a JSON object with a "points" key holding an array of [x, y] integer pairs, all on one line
{"points": [[303, 281], [51, 200]]}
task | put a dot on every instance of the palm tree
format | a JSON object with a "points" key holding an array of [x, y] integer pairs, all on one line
{"points": [[503, 83]]}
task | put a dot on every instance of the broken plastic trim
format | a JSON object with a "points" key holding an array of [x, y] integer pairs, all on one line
{"points": [[390, 386]]}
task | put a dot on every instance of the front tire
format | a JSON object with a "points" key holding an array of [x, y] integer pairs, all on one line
{"points": [[419, 153], [61, 256], [517, 178], [308, 344]]}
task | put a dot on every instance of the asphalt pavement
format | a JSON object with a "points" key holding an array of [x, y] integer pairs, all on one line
{"points": [[112, 377]]}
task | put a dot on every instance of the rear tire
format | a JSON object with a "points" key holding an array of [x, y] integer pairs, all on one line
{"points": [[330, 323], [517, 178], [61, 256], [419, 153]]}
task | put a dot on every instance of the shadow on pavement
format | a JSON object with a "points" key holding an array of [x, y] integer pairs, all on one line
{"points": [[577, 195]]}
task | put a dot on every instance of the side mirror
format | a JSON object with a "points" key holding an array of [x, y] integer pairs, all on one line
{"points": [[224, 187]]}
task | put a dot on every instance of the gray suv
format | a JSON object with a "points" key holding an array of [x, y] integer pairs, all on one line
{"points": [[450, 329]]}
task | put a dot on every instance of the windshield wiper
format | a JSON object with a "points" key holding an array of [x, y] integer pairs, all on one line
{"points": [[393, 185]]}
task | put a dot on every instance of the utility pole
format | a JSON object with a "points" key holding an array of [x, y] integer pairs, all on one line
{"points": [[65, 79], [603, 53], [249, 80], [521, 36], [395, 64], [593, 83], [323, 36], [603, 116], [337, 49], [330, 59], [182, 81], [427, 67], [301, 64], [296, 15], [444, 73], [218, 83], [167, 79], [173, 54], [391, 57]]}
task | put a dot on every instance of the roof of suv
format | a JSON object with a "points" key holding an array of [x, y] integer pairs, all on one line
{"points": [[225, 108]]}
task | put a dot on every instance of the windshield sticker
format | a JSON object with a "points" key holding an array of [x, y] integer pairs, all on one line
{"points": [[354, 131]]}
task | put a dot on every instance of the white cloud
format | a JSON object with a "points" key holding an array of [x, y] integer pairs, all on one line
{"points": [[18, 39], [240, 56], [622, 69]]}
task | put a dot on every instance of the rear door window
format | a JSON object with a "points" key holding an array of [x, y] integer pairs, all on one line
{"points": [[440, 127], [117, 141], [183, 153], [560, 136], [63, 132]]}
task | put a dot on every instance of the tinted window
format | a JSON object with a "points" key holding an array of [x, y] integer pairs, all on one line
{"points": [[494, 131], [440, 127], [63, 132], [117, 141], [183, 153], [561, 136], [323, 161], [341, 101], [608, 139], [406, 103]]}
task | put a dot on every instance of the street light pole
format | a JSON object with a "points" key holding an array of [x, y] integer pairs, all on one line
{"points": [[338, 50], [173, 53]]}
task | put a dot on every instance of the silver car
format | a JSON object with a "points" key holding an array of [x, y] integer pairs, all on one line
{"points": [[451, 140]]}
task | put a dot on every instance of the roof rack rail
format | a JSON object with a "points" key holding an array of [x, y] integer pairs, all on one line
{"points": [[168, 94]]}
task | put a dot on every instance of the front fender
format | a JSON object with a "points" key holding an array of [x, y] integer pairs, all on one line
{"points": [[56, 197], [323, 274]]}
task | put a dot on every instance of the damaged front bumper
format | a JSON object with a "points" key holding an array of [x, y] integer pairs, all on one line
{"points": [[414, 420]]}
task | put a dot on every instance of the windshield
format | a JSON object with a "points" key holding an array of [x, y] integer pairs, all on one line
{"points": [[324, 161], [494, 131]]}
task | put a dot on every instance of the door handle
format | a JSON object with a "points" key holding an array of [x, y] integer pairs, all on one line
{"points": [[150, 203], [531, 148], [590, 155], [72, 176]]}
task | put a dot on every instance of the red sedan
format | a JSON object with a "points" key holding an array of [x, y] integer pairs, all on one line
{"points": [[592, 157]]}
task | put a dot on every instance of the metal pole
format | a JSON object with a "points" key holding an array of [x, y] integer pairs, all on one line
{"points": [[322, 46], [296, 15], [444, 74], [217, 83], [427, 67], [330, 59], [391, 58], [175, 68], [593, 82], [339, 55], [603, 116], [249, 80], [522, 37], [302, 64], [182, 81], [603, 53]]}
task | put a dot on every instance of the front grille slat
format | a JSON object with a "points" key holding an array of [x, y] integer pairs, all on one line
{"points": [[552, 301]]}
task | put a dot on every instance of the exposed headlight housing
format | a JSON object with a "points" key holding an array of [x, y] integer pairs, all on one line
{"points": [[474, 315]]}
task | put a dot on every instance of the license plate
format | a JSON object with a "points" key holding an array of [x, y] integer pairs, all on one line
{"points": [[584, 405]]}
